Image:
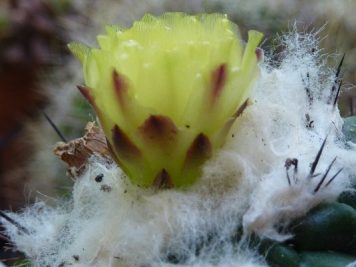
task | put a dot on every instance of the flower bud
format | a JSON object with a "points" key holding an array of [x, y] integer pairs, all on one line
{"points": [[166, 92]]}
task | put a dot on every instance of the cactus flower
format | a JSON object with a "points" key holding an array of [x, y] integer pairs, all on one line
{"points": [[166, 92]]}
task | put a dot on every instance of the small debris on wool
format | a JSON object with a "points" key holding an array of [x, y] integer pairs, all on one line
{"points": [[262, 179]]}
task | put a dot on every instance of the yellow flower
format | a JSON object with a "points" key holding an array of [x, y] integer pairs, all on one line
{"points": [[167, 90]]}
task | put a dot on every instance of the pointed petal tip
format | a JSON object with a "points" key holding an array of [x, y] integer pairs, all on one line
{"points": [[112, 29], [79, 50], [255, 36]]}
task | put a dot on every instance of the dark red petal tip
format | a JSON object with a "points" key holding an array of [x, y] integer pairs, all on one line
{"points": [[199, 151], [85, 91], [219, 76], [259, 54], [124, 147], [120, 85], [112, 152], [159, 128], [242, 108], [163, 180]]}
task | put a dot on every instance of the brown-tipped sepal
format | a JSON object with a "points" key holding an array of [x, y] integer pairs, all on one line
{"points": [[259, 54], [120, 87], [242, 108], [123, 146], [220, 136], [218, 80], [159, 129], [199, 151], [163, 180], [85, 91]]}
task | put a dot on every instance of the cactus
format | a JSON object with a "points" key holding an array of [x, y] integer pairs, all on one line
{"points": [[264, 200]]}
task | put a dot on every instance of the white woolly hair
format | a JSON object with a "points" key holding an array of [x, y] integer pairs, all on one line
{"points": [[248, 185]]}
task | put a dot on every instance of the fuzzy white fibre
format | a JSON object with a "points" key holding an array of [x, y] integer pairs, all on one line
{"points": [[113, 223]]}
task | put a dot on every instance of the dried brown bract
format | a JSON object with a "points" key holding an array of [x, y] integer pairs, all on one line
{"points": [[77, 152]]}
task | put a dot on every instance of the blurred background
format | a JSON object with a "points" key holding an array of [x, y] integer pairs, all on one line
{"points": [[38, 75]]}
